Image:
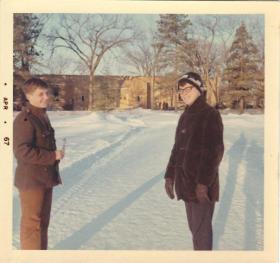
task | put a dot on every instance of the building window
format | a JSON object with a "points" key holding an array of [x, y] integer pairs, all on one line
{"points": [[138, 98], [83, 98], [56, 93]]}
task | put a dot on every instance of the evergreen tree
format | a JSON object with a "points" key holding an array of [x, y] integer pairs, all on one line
{"points": [[244, 69], [172, 35], [27, 28]]}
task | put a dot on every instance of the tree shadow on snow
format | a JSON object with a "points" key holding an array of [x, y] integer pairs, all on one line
{"points": [[16, 219], [236, 153], [91, 229], [253, 190]]}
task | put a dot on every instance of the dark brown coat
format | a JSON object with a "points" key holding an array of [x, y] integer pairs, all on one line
{"points": [[197, 151], [34, 148]]}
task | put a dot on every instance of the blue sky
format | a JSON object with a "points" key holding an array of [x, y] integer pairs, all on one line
{"points": [[146, 22]]}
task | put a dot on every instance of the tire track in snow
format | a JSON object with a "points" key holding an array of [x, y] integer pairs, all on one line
{"points": [[76, 175], [83, 169], [89, 203]]}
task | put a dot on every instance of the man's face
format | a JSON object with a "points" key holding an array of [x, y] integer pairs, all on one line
{"points": [[188, 93], [39, 98]]}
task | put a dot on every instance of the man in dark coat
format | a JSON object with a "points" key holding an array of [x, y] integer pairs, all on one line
{"points": [[37, 165], [195, 158]]}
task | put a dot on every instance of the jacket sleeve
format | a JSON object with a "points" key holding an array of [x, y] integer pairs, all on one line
{"points": [[23, 145], [170, 169], [212, 149]]}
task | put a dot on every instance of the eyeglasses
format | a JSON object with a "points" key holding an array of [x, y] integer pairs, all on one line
{"points": [[187, 89]]}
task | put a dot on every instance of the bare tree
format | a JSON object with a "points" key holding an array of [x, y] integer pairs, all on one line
{"points": [[59, 65], [209, 47], [213, 36], [140, 58], [143, 57], [90, 37]]}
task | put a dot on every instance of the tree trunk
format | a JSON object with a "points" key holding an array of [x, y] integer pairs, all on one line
{"points": [[90, 93], [241, 105], [212, 90], [175, 98], [153, 91], [172, 97], [255, 102]]}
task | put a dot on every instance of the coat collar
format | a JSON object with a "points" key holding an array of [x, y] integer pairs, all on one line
{"points": [[35, 110], [198, 105]]}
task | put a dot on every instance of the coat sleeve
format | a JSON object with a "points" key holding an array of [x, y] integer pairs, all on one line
{"points": [[170, 169], [212, 150], [23, 145]]}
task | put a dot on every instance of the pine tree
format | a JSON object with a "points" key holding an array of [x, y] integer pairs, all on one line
{"points": [[27, 28], [173, 34], [244, 71]]}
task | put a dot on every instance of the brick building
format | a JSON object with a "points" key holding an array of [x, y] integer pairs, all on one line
{"points": [[70, 92]]}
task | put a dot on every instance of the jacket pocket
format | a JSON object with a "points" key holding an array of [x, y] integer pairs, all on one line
{"points": [[39, 173]]}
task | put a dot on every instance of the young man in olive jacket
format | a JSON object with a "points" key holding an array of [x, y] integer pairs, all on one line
{"points": [[37, 165], [193, 166]]}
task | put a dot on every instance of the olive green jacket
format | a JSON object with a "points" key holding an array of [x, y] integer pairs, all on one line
{"points": [[34, 148]]}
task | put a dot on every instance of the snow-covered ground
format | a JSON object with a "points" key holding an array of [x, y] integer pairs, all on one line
{"points": [[113, 195]]}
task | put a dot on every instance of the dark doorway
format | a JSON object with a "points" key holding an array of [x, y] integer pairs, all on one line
{"points": [[149, 95], [69, 105], [56, 93]]}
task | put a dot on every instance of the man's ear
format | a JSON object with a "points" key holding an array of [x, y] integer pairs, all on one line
{"points": [[27, 96]]}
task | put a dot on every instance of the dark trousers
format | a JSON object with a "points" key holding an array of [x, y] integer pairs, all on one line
{"points": [[200, 223], [35, 217]]}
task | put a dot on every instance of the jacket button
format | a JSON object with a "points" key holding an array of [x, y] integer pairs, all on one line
{"points": [[183, 131], [46, 169], [182, 148]]}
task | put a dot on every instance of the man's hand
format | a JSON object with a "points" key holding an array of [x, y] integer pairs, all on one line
{"points": [[59, 155], [202, 193], [169, 187]]}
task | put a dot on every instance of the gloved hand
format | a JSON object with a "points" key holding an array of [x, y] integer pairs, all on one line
{"points": [[169, 187], [202, 193]]}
